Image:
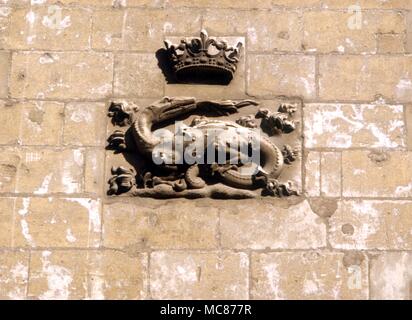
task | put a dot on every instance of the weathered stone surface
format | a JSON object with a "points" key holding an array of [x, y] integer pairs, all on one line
{"points": [[376, 174], [391, 276], [10, 159], [61, 75], [87, 118], [143, 30], [42, 123], [49, 28], [55, 222], [408, 118], [220, 4], [323, 174], [312, 174], [297, 3], [367, 4], [262, 226], [138, 75], [361, 77], [4, 25], [408, 42], [324, 207], [179, 225], [330, 179], [391, 43], [45, 171], [308, 275], [353, 125], [13, 274], [372, 224], [204, 275], [6, 221], [116, 4], [275, 75], [4, 73], [340, 33], [10, 114], [87, 275], [94, 181], [283, 27]]}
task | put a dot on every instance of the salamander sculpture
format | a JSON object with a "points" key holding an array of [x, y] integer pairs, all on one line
{"points": [[229, 173], [244, 163]]}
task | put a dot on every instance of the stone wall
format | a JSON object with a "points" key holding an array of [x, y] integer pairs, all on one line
{"points": [[348, 236]]}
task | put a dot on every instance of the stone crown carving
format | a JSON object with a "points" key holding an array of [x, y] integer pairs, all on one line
{"points": [[204, 59]]}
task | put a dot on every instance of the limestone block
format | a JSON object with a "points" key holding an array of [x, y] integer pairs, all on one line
{"points": [[6, 221], [13, 274], [275, 75], [312, 174], [391, 43], [142, 30], [46, 171], [265, 226], [87, 274], [200, 275], [138, 75], [176, 225], [329, 125], [265, 30], [57, 222], [309, 275], [84, 124], [371, 224], [42, 123], [10, 119], [364, 77], [376, 174], [10, 160], [61, 75], [391, 276], [50, 27], [337, 31]]}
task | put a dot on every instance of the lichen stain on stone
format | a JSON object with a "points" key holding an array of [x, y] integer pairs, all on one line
{"points": [[348, 229], [48, 58], [36, 116], [379, 157], [353, 258], [323, 207], [283, 35], [133, 250], [7, 171]]}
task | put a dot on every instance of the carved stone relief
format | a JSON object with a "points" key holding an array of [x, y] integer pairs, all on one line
{"points": [[185, 147], [203, 60], [155, 156]]}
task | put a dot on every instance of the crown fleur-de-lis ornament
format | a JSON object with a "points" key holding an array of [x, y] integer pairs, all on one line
{"points": [[204, 60]]}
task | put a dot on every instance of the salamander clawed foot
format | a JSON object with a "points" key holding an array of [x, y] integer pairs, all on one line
{"points": [[117, 141], [123, 180]]}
